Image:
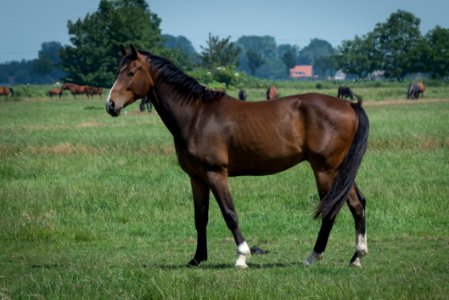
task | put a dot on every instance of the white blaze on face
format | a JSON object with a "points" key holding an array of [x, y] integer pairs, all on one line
{"points": [[110, 92]]}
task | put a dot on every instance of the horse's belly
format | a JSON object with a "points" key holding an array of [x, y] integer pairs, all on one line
{"points": [[260, 165]]}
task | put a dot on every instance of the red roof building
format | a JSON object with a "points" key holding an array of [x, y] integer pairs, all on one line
{"points": [[303, 71]]}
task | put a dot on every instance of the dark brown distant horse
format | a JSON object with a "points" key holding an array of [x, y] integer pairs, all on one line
{"points": [[242, 95], [6, 91], [415, 89], [74, 89], [54, 92], [272, 93], [217, 136], [345, 92]]}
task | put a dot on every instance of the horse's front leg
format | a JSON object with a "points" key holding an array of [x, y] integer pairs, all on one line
{"points": [[200, 191], [219, 184]]}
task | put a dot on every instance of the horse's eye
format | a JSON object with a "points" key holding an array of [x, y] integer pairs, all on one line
{"points": [[130, 74]]}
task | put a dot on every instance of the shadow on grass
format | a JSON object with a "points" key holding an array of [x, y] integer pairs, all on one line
{"points": [[207, 266]]}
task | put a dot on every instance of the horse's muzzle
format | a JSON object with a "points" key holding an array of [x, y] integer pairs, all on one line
{"points": [[110, 108]]}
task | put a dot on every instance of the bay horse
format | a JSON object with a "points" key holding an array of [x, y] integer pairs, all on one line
{"points": [[217, 136], [414, 89], [272, 93], [242, 95], [345, 92], [55, 92], [6, 91], [74, 89]]}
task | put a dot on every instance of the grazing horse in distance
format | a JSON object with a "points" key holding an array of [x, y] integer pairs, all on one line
{"points": [[55, 92], [272, 93], [6, 91], [217, 136], [242, 95], [414, 89], [74, 89], [345, 92], [98, 91], [91, 91]]}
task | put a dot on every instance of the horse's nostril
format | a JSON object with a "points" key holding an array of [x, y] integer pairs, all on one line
{"points": [[109, 106]]}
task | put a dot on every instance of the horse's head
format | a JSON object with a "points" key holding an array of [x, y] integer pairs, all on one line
{"points": [[133, 81]]}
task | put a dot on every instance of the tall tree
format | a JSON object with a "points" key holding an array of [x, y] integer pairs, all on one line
{"points": [[255, 60], [48, 60], [272, 67], [289, 55], [92, 57], [435, 50], [316, 49], [396, 42], [219, 53], [357, 57], [180, 51]]}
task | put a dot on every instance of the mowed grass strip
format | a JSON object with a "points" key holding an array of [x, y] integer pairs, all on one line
{"points": [[94, 207]]}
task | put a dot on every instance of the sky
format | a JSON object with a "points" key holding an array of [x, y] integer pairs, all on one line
{"points": [[26, 24]]}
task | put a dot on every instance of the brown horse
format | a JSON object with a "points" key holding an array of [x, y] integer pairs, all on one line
{"points": [[345, 92], [91, 91], [217, 136], [272, 93], [74, 89], [242, 95], [6, 91], [54, 92], [414, 89]]}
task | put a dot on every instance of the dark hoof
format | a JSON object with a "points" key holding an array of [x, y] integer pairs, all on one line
{"points": [[257, 251], [194, 263]]}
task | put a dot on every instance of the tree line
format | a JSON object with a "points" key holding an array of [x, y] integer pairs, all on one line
{"points": [[395, 46]]}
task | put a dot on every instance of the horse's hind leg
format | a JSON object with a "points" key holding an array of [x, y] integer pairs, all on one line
{"points": [[324, 183], [356, 203], [200, 191]]}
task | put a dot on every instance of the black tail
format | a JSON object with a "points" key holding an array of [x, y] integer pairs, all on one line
{"points": [[331, 204], [12, 91]]}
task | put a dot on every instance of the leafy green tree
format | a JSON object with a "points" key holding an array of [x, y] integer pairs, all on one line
{"points": [[288, 54], [48, 60], [266, 45], [92, 58], [219, 53], [180, 51], [273, 67], [255, 60], [396, 42], [319, 53], [435, 52], [316, 49], [356, 57]]}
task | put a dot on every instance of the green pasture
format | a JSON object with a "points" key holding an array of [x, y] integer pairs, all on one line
{"points": [[371, 90], [94, 207]]}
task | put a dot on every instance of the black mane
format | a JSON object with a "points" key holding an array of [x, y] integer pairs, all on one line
{"points": [[172, 75]]}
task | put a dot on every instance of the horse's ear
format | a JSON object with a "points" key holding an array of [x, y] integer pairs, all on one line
{"points": [[133, 50], [123, 49]]}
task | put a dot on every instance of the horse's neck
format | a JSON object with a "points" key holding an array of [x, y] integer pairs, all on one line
{"points": [[176, 113]]}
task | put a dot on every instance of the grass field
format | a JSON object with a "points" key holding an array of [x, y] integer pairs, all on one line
{"points": [[94, 207]]}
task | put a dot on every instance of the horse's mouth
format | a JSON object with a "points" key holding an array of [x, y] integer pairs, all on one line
{"points": [[111, 109]]}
